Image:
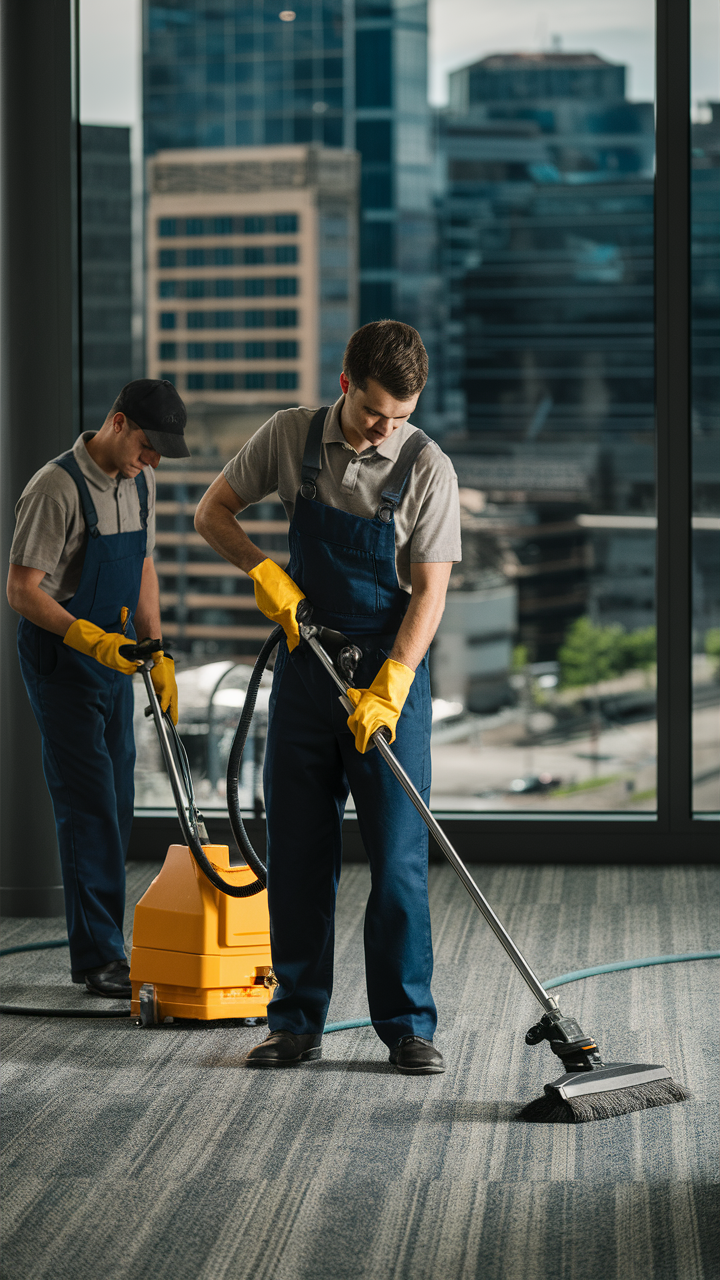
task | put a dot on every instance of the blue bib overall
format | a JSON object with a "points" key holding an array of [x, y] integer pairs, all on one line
{"points": [[345, 565], [85, 714]]}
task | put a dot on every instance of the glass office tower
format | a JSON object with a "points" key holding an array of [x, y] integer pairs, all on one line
{"points": [[239, 75], [336, 74], [106, 268], [548, 252], [548, 413], [548, 243]]}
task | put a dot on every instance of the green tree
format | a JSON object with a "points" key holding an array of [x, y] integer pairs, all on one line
{"points": [[640, 649], [591, 653], [520, 657], [712, 648]]}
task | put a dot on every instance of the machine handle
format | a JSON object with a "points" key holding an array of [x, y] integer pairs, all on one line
{"points": [[139, 652]]}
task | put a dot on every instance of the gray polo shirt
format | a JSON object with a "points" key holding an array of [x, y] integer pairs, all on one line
{"points": [[427, 522], [50, 529]]}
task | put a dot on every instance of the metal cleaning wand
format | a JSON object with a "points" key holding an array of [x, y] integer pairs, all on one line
{"points": [[310, 634]]}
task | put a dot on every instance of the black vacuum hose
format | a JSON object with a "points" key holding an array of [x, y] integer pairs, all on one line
{"points": [[65, 1013], [242, 838], [189, 825], [189, 822], [55, 1013]]}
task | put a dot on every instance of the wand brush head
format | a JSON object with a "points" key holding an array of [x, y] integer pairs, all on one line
{"points": [[590, 1089], [599, 1094]]}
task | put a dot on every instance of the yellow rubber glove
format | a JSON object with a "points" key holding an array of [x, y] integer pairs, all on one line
{"points": [[162, 675], [277, 597], [101, 645], [381, 704]]}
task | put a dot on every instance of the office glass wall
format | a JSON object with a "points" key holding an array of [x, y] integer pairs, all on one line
{"points": [[705, 358], [542, 334]]}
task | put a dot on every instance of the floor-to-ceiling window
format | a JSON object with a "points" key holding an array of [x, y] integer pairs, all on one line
{"points": [[526, 258]]}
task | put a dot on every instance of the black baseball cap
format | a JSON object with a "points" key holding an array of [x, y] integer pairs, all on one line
{"points": [[154, 405]]}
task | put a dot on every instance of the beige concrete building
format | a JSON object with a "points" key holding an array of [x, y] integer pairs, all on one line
{"points": [[252, 268]]}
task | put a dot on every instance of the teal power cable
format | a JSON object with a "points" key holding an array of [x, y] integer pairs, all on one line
{"points": [[564, 978], [619, 965], [35, 946]]}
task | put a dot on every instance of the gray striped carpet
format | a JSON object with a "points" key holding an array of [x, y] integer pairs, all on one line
{"points": [[132, 1153]]}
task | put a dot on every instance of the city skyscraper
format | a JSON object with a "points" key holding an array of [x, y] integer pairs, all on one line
{"points": [[547, 256], [245, 74], [106, 268], [252, 273], [346, 73], [548, 244]]}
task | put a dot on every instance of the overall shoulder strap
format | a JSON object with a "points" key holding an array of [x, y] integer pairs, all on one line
{"points": [[312, 456], [398, 478], [69, 463], [142, 492]]}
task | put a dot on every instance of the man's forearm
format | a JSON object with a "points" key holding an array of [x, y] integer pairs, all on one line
{"points": [[147, 614], [38, 607], [221, 530], [427, 602], [417, 630]]}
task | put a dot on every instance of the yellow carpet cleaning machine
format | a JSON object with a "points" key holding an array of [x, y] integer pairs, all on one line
{"points": [[201, 932]]}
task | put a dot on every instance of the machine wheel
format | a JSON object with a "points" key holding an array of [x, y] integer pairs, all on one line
{"points": [[148, 1005]]}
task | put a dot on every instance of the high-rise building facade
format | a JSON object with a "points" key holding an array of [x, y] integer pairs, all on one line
{"points": [[548, 245], [547, 254], [251, 273], [251, 297], [245, 74], [393, 135], [349, 73], [705, 208], [106, 268]]}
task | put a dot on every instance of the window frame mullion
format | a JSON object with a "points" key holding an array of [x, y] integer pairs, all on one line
{"points": [[673, 416]]}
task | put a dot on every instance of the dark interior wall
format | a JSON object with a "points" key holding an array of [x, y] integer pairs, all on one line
{"points": [[39, 402]]}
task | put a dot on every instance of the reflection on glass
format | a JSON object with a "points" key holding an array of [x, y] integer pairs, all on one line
{"points": [[705, 209]]}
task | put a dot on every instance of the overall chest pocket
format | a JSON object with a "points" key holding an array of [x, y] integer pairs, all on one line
{"points": [[336, 578], [117, 584]]}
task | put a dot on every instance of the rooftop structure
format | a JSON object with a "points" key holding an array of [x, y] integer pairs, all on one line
{"points": [[504, 77]]}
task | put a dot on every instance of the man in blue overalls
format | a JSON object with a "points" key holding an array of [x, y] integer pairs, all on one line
{"points": [[82, 576], [374, 529]]}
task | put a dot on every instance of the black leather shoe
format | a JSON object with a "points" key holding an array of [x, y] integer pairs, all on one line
{"points": [[417, 1057], [110, 979], [284, 1049]]}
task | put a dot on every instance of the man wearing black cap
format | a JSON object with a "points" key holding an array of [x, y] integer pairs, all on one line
{"points": [[82, 577]]}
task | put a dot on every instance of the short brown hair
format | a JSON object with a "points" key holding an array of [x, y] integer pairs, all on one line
{"points": [[390, 352]]}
